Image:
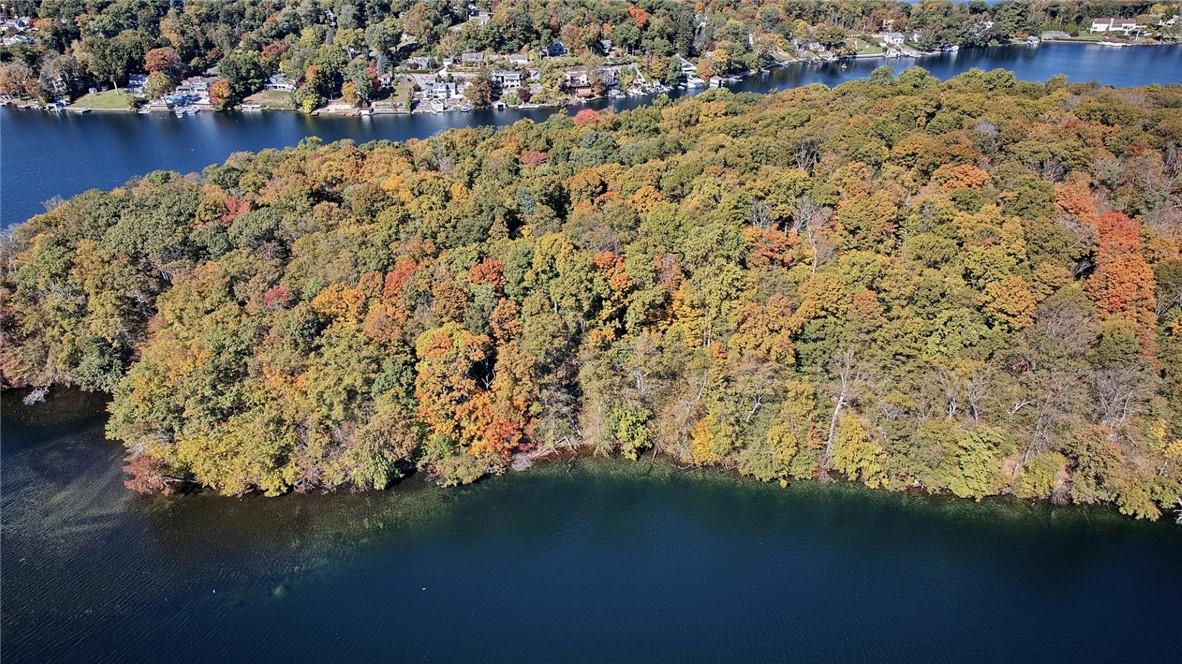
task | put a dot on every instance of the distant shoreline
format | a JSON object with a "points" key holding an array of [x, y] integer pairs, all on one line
{"points": [[572, 102]]}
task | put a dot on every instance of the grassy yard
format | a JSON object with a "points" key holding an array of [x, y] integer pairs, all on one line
{"points": [[1083, 35], [866, 48], [271, 99], [107, 100], [403, 94]]}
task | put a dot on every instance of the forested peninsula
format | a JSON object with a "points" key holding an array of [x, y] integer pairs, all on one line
{"points": [[971, 287]]}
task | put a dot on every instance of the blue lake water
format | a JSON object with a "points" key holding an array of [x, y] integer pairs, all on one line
{"points": [[575, 561], [45, 155]]}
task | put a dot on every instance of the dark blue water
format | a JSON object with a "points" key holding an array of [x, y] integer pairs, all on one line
{"points": [[44, 155], [584, 561]]}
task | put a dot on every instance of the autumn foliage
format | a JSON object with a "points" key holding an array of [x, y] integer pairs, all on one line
{"points": [[970, 287], [586, 117]]}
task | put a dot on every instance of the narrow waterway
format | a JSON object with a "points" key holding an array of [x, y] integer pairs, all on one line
{"points": [[43, 155], [573, 561]]}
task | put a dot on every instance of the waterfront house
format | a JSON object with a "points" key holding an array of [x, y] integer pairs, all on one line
{"points": [[136, 83], [443, 90], [1105, 25], [576, 79], [892, 38], [279, 82], [193, 91], [196, 86], [507, 79]]}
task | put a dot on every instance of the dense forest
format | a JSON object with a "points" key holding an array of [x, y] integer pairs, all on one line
{"points": [[972, 287], [330, 47]]}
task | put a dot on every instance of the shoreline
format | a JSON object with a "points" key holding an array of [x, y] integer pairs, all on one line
{"points": [[582, 451], [571, 102]]}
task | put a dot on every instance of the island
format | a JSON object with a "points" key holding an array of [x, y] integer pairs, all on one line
{"points": [[971, 287]]}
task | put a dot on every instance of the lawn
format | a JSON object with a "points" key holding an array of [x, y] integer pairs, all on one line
{"points": [[107, 100], [1082, 35], [271, 99], [866, 48], [404, 94]]}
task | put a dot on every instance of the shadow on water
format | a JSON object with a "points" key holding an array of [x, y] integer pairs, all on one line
{"points": [[570, 561]]}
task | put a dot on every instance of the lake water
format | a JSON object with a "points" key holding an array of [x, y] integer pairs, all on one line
{"points": [[45, 155], [583, 561], [573, 561]]}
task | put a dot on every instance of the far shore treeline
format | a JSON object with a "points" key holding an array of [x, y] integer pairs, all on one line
{"points": [[358, 52], [972, 288]]}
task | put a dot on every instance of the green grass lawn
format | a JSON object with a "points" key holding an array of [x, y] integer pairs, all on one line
{"points": [[403, 94], [1083, 34], [107, 100], [271, 99], [866, 48]]}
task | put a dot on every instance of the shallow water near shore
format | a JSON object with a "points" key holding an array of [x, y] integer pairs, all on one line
{"points": [[571, 561]]}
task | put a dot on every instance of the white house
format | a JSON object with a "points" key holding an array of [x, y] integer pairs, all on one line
{"points": [[892, 38], [419, 62], [1122, 25], [507, 79], [441, 90], [576, 79], [279, 82]]}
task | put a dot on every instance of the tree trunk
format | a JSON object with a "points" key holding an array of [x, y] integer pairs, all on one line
{"points": [[827, 458]]}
